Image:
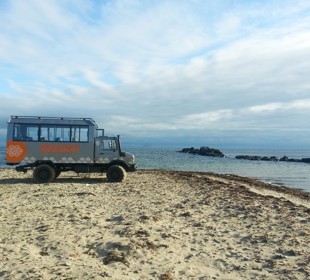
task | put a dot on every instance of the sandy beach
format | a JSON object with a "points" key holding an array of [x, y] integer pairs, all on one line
{"points": [[154, 225]]}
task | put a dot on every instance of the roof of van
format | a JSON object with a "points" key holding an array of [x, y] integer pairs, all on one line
{"points": [[52, 120]]}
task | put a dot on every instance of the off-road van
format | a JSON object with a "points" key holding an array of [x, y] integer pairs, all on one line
{"points": [[51, 145]]}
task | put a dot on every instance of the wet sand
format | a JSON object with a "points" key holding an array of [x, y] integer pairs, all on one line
{"points": [[154, 225]]}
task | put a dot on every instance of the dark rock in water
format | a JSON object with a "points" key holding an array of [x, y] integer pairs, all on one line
{"points": [[241, 157], [285, 158], [191, 150], [247, 157], [294, 160], [203, 151], [272, 158], [206, 151]]}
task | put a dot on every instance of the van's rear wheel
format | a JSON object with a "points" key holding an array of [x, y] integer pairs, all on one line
{"points": [[44, 173], [116, 173]]}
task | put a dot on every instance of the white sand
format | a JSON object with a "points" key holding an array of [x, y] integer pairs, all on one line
{"points": [[155, 225]]}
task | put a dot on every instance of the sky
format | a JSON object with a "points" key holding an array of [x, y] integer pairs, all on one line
{"points": [[168, 72]]}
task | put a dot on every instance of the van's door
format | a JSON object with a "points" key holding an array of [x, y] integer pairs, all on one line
{"points": [[106, 149]]}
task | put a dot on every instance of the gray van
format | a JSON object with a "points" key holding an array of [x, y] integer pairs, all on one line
{"points": [[51, 145]]}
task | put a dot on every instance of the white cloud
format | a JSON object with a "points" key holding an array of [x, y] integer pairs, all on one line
{"points": [[266, 108], [205, 120], [272, 107]]}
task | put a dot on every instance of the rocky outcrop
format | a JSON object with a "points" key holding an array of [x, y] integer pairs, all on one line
{"points": [[247, 157], [203, 151], [285, 158], [206, 151]]}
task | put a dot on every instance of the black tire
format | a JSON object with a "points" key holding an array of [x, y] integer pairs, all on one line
{"points": [[44, 173], [116, 173]]}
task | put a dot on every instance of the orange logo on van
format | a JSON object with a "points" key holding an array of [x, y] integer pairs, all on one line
{"points": [[60, 148], [15, 151]]}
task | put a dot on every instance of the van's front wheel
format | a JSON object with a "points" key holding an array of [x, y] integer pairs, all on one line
{"points": [[116, 173], [44, 173]]}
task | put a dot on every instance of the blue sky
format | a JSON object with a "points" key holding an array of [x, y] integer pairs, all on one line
{"points": [[220, 73]]}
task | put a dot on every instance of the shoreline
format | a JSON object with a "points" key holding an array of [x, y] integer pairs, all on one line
{"points": [[254, 181], [243, 179], [298, 196], [157, 224]]}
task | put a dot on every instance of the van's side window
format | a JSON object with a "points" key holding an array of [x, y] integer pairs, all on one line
{"points": [[51, 133], [84, 134], [32, 132], [47, 133], [79, 134], [24, 132], [108, 144]]}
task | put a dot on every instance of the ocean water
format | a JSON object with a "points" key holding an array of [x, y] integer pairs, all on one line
{"points": [[291, 174]]}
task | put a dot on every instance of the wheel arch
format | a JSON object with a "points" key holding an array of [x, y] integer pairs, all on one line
{"points": [[120, 163], [49, 162], [30, 166]]}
